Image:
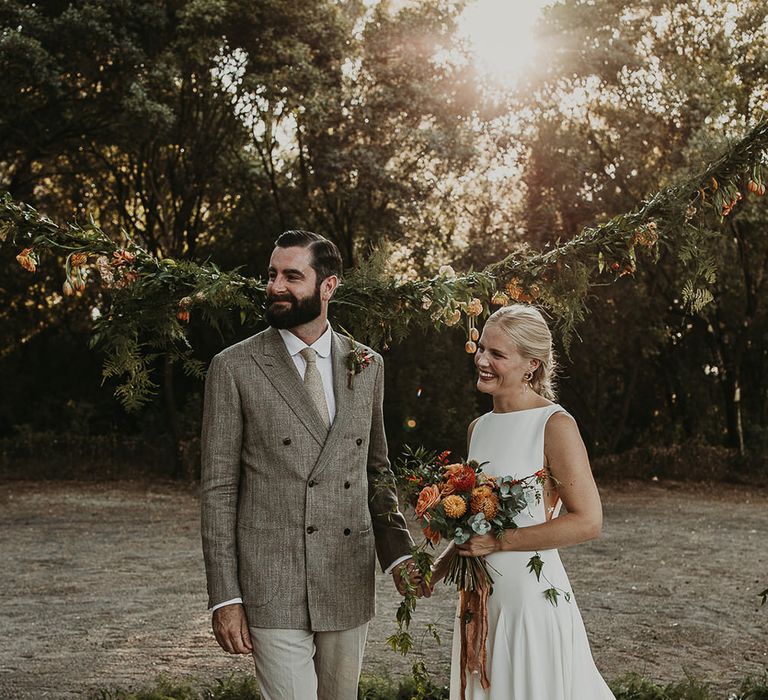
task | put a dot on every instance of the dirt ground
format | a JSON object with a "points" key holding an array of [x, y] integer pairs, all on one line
{"points": [[103, 585]]}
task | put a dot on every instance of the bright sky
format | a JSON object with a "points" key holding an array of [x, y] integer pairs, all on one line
{"points": [[501, 35]]}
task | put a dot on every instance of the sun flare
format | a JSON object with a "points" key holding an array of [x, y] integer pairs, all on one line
{"points": [[501, 36]]}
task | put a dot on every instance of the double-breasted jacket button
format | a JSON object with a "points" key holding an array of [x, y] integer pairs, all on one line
{"points": [[286, 441], [347, 531], [346, 484], [359, 441], [311, 483], [311, 529]]}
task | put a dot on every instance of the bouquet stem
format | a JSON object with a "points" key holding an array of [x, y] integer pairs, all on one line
{"points": [[472, 579]]}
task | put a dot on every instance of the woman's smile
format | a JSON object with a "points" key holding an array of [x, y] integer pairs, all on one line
{"points": [[486, 376]]}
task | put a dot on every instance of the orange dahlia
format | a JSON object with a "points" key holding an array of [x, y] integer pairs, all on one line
{"points": [[490, 506], [485, 501], [479, 494], [455, 506]]}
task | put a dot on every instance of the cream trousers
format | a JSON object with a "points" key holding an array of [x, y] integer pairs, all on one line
{"points": [[306, 665]]}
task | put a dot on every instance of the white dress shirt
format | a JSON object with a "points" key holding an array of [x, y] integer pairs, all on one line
{"points": [[322, 346]]}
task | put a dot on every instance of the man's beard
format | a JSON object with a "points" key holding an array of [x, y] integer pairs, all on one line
{"points": [[297, 313]]}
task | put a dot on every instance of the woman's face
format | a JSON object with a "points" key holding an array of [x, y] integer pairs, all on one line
{"points": [[501, 367]]}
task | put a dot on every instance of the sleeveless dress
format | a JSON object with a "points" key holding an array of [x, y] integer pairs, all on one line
{"points": [[535, 650]]}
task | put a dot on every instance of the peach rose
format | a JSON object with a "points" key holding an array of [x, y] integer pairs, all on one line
{"points": [[428, 498], [451, 469]]}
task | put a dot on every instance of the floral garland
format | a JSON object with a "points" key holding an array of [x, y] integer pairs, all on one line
{"points": [[150, 300]]}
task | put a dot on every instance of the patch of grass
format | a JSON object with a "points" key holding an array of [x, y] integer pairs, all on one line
{"points": [[235, 687], [419, 686], [752, 689], [634, 687]]}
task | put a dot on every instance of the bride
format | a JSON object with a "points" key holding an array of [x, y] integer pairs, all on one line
{"points": [[536, 647]]}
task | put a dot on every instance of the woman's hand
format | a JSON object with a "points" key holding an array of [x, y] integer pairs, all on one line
{"points": [[479, 546]]}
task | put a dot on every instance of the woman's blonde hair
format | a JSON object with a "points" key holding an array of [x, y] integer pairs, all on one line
{"points": [[533, 340]]}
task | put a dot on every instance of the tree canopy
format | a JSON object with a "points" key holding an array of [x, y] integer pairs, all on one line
{"points": [[613, 181]]}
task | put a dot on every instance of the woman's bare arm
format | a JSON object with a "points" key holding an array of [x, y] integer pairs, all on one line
{"points": [[569, 466]]}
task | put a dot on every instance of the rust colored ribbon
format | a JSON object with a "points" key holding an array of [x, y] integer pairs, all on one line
{"points": [[473, 613]]}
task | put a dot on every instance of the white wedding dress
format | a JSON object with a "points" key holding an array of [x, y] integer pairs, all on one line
{"points": [[535, 650]]}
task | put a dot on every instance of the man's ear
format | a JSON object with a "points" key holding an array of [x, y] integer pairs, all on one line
{"points": [[329, 285]]}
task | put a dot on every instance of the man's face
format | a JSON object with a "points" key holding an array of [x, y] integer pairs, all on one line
{"points": [[293, 292]]}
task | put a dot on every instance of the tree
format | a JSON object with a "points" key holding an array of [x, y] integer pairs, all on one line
{"points": [[629, 99]]}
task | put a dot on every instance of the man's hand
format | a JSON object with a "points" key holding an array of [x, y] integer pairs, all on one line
{"points": [[407, 571], [230, 627]]}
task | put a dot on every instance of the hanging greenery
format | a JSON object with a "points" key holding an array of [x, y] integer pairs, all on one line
{"points": [[146, 302]]}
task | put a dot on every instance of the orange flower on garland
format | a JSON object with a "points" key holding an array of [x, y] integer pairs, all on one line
{"points": [[121, 257], [429, 497], [28, 259], [474, 307], [514, 289], [647, 236], [78, 259], [499, 299]]}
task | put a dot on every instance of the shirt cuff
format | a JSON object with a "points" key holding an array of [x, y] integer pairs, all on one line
{"points": [[388, 570], [227, 602]]}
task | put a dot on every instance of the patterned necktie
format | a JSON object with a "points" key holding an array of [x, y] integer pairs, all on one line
{"points": [[313, 383]]}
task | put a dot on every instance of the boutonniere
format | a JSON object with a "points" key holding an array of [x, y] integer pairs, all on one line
{"points": [[357, 360]]}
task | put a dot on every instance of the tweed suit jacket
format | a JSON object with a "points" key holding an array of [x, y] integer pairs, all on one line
{"points": [[292, 515]]}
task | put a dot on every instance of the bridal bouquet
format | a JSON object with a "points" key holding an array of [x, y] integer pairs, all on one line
{"points": [[454, 501]]}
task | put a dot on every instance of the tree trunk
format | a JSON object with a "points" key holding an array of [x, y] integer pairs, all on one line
{"points": [[171, 415]]}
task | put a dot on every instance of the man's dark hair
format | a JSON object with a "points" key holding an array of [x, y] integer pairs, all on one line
{"points": [[326, 258]]}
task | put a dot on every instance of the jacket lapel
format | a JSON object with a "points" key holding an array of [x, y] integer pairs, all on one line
{"points": [[343, 394], [340, 348], [278, 367]]}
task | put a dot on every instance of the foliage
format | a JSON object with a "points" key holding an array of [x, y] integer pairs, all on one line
{"points": [[147, 310], [635, 687], [418, 686]]}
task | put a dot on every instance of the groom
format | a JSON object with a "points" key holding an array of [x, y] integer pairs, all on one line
{"points": [[297, 494]]}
